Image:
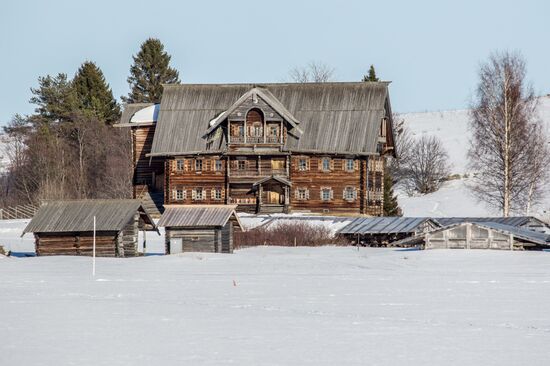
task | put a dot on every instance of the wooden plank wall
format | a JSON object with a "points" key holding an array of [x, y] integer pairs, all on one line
{"points": [[188, 179], [75, 244], [196, 239], [144, 167], [366, 179]]}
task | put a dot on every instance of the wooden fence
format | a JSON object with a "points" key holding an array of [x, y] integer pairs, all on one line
{"points": [[18, 212]]}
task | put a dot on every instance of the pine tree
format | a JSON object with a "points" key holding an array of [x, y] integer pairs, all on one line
{"points": [[93, 94], [150, 70], [371, 76], [391, 207], [54, 98]]}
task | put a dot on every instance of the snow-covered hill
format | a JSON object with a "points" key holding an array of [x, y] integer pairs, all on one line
{"points": [[454, 198]]}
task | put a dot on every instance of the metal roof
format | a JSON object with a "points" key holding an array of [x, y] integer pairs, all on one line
{"points": [[384, 225], [518, 232], [532, 236], [77, 216], [197, 215], [512, 221], [334, 117]]}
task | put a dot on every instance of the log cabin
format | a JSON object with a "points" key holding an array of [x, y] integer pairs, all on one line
{"points": [[267, 148], [67, 227], [199, 228]]}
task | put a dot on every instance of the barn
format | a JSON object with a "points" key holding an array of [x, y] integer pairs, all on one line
{"points": [[199, 228], [67, 227], [383, 231], [480, 235]]}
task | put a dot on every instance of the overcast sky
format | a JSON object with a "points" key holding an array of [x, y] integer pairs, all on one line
{"points": [[430, 50]]}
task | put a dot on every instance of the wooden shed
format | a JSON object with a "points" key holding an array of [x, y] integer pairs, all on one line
{"points": [[480, 235], [66, 227], [199, 228]]}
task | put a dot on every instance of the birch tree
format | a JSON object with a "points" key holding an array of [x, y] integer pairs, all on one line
{"points": [[505, 145]]}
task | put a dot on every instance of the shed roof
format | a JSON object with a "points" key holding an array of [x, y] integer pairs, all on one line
{"points": [[384, 225], [128, 111], [197, 215], [77, 216], [334, 117]]}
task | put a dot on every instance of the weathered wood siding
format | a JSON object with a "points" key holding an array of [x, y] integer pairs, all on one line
{"points": [[189, 178], [227, 238], [127, 239], [76, 244], [210, 240], [364, 182], [147, 171]]}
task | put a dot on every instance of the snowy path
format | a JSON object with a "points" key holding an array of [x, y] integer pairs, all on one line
{"points": [[290, 306]]}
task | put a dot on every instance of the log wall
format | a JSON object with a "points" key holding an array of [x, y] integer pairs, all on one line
{"points": [[76, 244], [147, 171]]}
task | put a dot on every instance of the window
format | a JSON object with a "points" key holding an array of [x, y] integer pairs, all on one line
{"points": [[241, 131], [302, 164], [273, 131], [198, 194], [350, 194], [180, 164], [302, 194], [216, 193], [326, 194], [325, 164], [241, 164], [179, 194], [218, 166], [257, 130], [350, 165], [198, 165]]}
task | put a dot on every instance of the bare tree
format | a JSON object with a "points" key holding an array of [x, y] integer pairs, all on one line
{"points": [[427, 166], [506, 147], [537, 163], [314, 72], [403, 141]]}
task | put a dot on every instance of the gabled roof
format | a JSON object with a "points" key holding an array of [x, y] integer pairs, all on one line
{"points": [[334, 117], [279, 179], [77, 216], [197, 215], [269, 99], [385, 225]]}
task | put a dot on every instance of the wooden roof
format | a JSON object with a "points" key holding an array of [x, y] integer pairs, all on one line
{"points": [[334, 117], [197, 215], [77, 216], [128, 110]]}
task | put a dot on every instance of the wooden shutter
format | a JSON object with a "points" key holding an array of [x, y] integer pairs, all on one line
{"points": [[307, 194]]}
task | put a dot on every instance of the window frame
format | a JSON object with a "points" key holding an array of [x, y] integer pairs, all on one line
{"points": [[304, 168], [327, 160], [216, 167], [353, 191], [348, 162], [178, 167], [198, 165], [330, 194]]}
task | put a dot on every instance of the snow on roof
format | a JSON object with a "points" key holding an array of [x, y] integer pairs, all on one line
{"points": [[147, 114]]}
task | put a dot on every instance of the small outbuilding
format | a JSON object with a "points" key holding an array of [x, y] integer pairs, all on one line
{"points": [[199, 228], [384, 231], [67, 227], [480, 235]]}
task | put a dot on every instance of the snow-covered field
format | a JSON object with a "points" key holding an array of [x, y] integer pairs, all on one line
{"points": [[454, 198], [279, 306]]}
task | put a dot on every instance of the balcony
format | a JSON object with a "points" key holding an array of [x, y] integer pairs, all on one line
{"points": [[255, 140], [256, 173]]}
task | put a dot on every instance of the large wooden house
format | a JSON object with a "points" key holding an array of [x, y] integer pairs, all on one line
{"points": [[313, 147]]}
